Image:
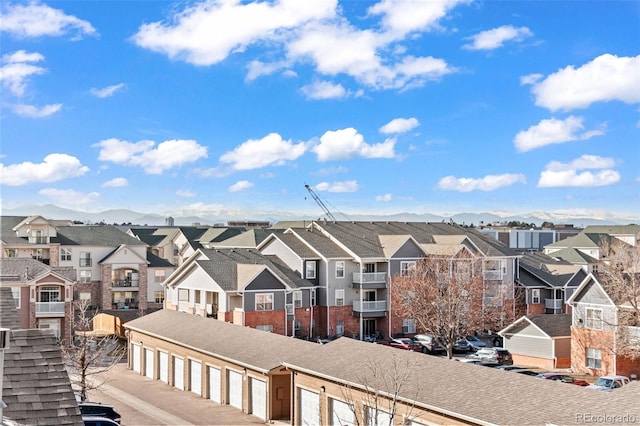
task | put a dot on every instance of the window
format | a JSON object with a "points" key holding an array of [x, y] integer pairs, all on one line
{"points": [[297, 299], [268, 328], [159, 296], [85, 258], [408, 325], [183, 295], [406, 267], [197, 296], [311, 270], [594, 318], [85, 277], [159, 275], [289, 308], [297, 325], [15, 291], [340, 269], [594, 358], [264, 302], [10, 253], [339, 297], [49, 294], [535, 296], [65, 255], [340, 328], [313, 297], [85, 295]]}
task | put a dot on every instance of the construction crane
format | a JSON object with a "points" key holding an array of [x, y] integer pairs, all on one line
{"points": [[320, 203]]}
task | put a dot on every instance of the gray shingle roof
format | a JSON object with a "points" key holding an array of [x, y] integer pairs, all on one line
{"points": [[90, 235], [534, 271], [252, 348], [558, 325], [23, 269], [484, 394], [320, 242], [8, 313]]}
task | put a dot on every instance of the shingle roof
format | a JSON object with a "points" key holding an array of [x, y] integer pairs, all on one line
{"points": [[90, 235], [255, 349], [19, 270], [320, 243], [535, 271], [582, 240], [7, 234], [613, 229], [480, 394], [574, 256], [248, 239], [157, 261], [8, 313], [558, 325]]}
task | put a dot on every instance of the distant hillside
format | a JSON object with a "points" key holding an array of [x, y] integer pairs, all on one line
{"points": [[124, 216]]}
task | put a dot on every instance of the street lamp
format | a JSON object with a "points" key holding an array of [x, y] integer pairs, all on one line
{"points": [[4, 344]]}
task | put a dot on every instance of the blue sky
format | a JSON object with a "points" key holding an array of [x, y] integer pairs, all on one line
{"points": [[380, 106]]}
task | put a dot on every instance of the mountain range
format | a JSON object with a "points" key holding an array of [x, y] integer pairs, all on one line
{"points": [[125, 216]]}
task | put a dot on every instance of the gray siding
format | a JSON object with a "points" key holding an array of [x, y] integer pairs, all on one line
{"points": [[292, 260], [592, 294], [531, 346], [409, 251]]}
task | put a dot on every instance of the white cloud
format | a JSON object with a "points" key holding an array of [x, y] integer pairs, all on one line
{"points": [[207, 32], [400, 125], [345, 186], [496, 37], [241, 185], [530, 79], [69, 197], [33, 111], [487, 183], [553, 131], [38, 20], [55, 167], [168, 154], [323, 90], [108, 91], [16, 69], [115, 183], [347, 143], [384, 198], [577, 174], [258, 153], [185, 193], [606, 78]]}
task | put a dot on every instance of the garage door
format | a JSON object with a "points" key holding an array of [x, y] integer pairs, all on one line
{"points": [[148, 363], [195, 377], [214, 384], [235, 389], [341, 413], [259, 398], [309, 408], [163, 361], [178, 372], [136, 357]]}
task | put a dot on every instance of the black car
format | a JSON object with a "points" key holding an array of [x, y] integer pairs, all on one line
{"points": [[98, 421], [96, 409]]}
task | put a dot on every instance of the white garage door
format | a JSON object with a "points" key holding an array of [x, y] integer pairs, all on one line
{"points": [[195, 377], [163, 361], [259, 398], [309, 408], [341, 413], [136, 357], [235, 389], [214, 384], [178, 372], [148, 363]]}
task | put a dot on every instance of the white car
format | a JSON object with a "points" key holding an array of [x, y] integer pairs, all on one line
{"points": [[609, 383]]}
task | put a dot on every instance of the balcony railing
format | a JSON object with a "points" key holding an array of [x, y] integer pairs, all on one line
{"points": [[49, 309], [370, 306], [369, 277], [125, 283], [553, 303], [39, 240]]}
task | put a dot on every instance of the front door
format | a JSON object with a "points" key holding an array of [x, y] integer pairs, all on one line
{"points": [[369, 327]]}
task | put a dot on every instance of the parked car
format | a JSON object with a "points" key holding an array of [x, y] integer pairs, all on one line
{"points": [[508, 367], [428, 344], [461, 346], [609, 383], [475, 343], [96, 409], [98, 421], [496, 355], [524, 371], [479, 362], [403, 343], [562, 378]]}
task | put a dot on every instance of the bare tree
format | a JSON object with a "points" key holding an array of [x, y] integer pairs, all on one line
{"points": [[89, 354], [443, 296], [619, 274]]}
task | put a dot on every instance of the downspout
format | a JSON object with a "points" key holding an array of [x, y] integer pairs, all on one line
{"points": [[389, 298], [326, 286], [361, 279], [615, 339]]}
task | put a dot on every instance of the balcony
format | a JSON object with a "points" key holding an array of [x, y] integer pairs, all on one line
{"points": [[370, 309], [39, 240], [369, 280], [49, 309], [554, 306], [125, 283], [85, 261]]}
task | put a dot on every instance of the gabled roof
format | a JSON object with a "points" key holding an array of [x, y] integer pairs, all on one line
{"points": [[558, 325], [451, 387], [216, 234], [118, 250], [158, 262], [613, 229], [392, 243], [247, 239], [244, 346], [589, 281], [539, 270], [94, 235], [583, 240], [319, 242], [222, 266], [574, 256], [22, 270]]}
